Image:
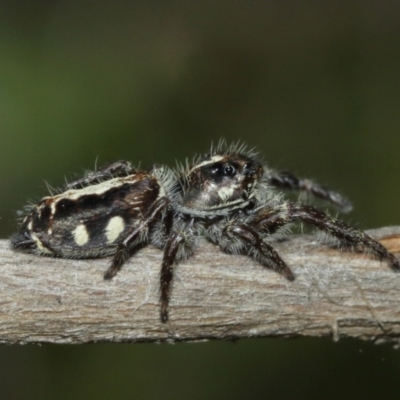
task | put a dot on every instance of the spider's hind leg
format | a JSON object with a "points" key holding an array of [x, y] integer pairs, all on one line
{"points": [[116, 169]]}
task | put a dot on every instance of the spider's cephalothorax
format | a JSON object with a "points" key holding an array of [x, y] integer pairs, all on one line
{"points": [[218, 184], [229, 196]]}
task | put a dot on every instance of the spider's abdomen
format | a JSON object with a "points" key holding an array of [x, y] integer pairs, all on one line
{"points": [[90, 221]]}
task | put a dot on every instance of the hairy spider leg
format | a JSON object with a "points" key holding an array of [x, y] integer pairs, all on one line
{"points": [[124, 248], [180, 244], [260, 250], [286, 180], [114, 170], [167, 271], [270, 221]]}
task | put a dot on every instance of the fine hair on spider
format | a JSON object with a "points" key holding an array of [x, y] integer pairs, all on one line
{"points": [[229, 196]]}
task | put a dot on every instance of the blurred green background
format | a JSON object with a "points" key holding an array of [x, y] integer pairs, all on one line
{"points": [[314, 85]]}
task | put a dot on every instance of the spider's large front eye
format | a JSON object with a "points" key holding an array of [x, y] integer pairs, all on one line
{"points": [[223, 170], [229, 170]]}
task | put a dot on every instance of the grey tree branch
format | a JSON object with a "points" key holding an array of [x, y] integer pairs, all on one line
{"points": [[215, 295]]}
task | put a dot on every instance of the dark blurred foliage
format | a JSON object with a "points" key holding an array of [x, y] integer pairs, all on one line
{"points": [[314, 85]]}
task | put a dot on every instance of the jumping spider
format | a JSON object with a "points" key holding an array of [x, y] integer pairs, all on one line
{"points": [[229, 196]]}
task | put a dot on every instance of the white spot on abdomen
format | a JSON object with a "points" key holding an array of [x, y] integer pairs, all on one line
{"points": [[81, 235], [114, 228]]}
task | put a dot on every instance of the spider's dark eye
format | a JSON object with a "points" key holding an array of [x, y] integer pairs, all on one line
{"points": [[223, 170], [229, 170], [248, 169]]}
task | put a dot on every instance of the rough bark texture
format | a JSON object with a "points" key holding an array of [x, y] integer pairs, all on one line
{"points": [[214, 295]]}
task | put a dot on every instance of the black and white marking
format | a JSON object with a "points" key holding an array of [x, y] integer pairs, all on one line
{"points": [[228, 195]]}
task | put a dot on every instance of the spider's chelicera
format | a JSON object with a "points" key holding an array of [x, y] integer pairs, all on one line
{"points": [[229, 196]]}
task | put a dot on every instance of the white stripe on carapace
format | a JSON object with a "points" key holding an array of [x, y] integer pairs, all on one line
{"points": [[80, 235], [212, 160], [114, 228]]}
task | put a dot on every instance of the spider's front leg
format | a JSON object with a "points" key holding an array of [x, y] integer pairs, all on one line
{"points": [[236, 237], [286, 180], [270, 220], [114, 170]]}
